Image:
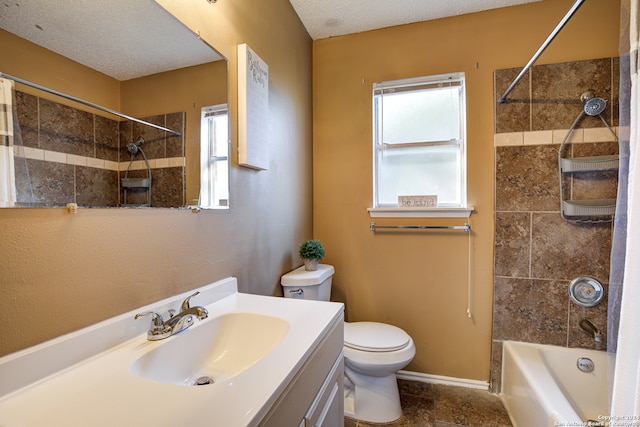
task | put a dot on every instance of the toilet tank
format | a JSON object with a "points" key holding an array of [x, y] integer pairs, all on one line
{"points": [[311, 285]]}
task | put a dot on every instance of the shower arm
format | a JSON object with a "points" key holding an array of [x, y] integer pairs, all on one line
{"points": [[87, 103], [542, 48]]}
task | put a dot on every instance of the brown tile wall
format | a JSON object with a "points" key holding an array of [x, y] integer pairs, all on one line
{"points": [[548, 96], [168, 188], [537, 253], [51, 126]]}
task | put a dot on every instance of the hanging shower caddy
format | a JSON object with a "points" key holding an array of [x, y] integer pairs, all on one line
{"points": [[587, 210], [136, 185]]}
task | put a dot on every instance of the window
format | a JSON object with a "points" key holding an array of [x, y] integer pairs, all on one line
{"points": [[214, 157], [419, 140]]}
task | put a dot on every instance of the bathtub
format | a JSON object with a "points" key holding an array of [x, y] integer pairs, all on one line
{"points": [[543, 386]]}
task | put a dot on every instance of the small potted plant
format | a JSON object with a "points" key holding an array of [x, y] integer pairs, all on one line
{"points": [[311, 251]]}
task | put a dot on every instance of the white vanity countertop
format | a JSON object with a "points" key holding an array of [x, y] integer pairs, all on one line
{"points": [[72, 381]]}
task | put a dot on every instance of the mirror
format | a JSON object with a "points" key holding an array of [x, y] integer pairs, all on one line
{"points": [[131, 57]]}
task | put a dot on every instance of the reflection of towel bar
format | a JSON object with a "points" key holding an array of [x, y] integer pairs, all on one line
{"points": [[465, 227]]}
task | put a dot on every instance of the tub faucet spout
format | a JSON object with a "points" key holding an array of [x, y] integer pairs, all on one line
{"points": [[589, 328]]}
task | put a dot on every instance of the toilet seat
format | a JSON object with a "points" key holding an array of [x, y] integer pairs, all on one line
{"points": [[374, 337], [376, 349]]}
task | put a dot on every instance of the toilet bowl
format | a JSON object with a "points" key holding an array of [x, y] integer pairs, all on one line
{"points": [[373, 352]]}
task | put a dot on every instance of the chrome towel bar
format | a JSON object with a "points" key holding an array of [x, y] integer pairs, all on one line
{"points": [[466, 227]]}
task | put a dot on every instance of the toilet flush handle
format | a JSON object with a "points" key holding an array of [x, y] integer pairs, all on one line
{"points": [[298, 291]]}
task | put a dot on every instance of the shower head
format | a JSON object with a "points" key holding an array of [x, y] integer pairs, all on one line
{"points": [[593, 106], [133, 146]]}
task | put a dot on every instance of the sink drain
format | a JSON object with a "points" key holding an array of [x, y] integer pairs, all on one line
{"points": [[204, 381]]}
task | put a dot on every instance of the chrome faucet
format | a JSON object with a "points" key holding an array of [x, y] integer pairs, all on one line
{"points": [[589, 328], [161, 329], [158, 330], [184, 319]]}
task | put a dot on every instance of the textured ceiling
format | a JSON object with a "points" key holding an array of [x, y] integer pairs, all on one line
{"points": [[123, 39], [131, 38], [329, 18]]}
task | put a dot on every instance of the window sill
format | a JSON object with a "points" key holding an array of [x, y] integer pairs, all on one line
{"points": [[420, 212]]}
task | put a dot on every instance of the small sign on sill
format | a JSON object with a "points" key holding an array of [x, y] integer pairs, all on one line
{"points": [[417, 201]]}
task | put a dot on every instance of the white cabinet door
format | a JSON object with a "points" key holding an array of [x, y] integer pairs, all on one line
{"points": [[327, 409]]}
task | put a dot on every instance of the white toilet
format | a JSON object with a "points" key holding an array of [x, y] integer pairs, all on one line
{"points": [[373, 352]]}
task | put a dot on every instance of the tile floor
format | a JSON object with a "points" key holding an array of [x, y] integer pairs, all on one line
{"points": [[433, 405]]}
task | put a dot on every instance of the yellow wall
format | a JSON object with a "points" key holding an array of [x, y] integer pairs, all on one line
{"points": [[418, 280], [60, 272], [21, 58]]}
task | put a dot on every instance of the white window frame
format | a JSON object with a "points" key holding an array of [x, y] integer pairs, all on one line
{"points": [[459, 209], [213, 193]]}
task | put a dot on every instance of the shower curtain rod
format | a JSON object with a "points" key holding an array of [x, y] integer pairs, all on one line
{"points": [[546, 43], [87, 103]]}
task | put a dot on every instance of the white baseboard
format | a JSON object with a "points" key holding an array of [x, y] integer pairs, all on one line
{"points": [[439, 379]]}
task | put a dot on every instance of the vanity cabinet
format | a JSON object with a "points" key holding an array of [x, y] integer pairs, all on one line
{"points": [[296, 382], [314, 397], [327, 409]]}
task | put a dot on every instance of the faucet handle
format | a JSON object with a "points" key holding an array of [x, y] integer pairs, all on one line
{"points": [[158, 328], [185, 303]]}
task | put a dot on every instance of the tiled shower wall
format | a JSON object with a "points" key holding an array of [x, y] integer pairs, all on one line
{"points": [[165, 152], [537, 253], [73, 156]]}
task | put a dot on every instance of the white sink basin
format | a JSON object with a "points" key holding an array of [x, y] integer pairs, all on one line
{"points": [[218, 348], [109, 374]]}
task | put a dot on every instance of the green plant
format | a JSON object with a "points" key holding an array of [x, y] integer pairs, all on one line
{"points": [[311, 249]]}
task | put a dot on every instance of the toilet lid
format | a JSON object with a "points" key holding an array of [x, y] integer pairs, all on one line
{"points": [[302, 277], [373, 336]]}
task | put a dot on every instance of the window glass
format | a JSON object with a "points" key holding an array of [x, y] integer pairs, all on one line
{"points": [[413, 171], [419, 140], [214, 157], [423, 115]]}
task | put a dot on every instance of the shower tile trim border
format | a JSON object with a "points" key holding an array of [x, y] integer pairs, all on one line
{"points": [[548, 137], [73, 159]]}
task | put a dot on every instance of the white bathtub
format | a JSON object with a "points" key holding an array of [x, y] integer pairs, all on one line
{"points": [[542, 385]]}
